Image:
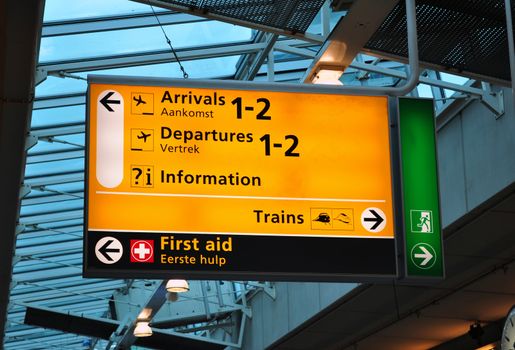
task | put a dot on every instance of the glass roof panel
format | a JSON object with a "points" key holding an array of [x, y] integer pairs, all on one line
{"points": [[66, 9], [58, 143], [56, 206], [57, 167], [139, 39], [58, 116], [424, 91], [202, 68], [216, 67], [55, 85]]}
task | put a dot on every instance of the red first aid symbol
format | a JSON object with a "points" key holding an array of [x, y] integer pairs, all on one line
{"points": [[142, 250]]}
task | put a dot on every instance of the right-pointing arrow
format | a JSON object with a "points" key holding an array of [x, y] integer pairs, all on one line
{"points": [[378, 219], [427, 256]]}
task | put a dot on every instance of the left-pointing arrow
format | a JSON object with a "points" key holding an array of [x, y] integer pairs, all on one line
{"points": [[104, 250], [108, 250], [106, 102]]}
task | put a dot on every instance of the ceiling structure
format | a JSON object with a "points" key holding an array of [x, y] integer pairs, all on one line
{"points": [[213, 39], [478, 287], [467, 37]]}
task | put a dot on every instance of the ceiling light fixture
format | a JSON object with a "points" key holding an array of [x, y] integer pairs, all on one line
{"points": [[142, 329], [329, 75], [177, 286]]}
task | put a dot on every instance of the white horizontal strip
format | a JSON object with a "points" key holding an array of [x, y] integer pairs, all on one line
{"points": [[238, 234], [243, 197]]}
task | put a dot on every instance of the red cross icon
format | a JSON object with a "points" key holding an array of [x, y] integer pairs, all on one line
{"points": [[142, 250]]}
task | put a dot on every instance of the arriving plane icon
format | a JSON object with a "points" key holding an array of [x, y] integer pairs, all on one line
{"points": [[138, 100], [143, 136], [142, 103]]}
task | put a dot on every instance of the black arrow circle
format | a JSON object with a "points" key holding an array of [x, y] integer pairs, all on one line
{"points": [[378, 219], [104, 250], [105, 101]]}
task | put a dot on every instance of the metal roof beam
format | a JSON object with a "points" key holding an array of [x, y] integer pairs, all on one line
{"points": [[54, 156], [103, 328], [350, 35], [294, 50], [46, 157], [54, 341], [60, 101], [146, 313], [158, 56], [38, 231], [251, 64], [100, 24], [52, 217], [155, 57], [313, 38], [49, 253], [62, 300], [81, 286], [55, 179], [17, 82], [24, 331], [52, 198], [51, 250], [78, 128], [49, 275]]}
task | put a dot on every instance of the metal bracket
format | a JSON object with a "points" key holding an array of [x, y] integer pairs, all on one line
{"points": [[24, 190], [63, 74], [30, 141], [267, 287], [19, 229], [247, 311], [494, 101], [120, 331], [13, 284], [41, 75], [16, 259]]}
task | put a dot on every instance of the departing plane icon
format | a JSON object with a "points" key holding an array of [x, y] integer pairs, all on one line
{"points": [[143, 136], [138, 100]]}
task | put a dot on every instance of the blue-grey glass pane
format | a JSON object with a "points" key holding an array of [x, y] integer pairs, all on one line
{"points": [[66, 9], [455, 79], [63, 166], [55, 86], [58, 116], [424, 91], [202, 69], [218, 67], [139, 39], [51, 207]]}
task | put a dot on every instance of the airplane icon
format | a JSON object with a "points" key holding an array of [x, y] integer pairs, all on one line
{"points": [[143, 136], [139, 100]]}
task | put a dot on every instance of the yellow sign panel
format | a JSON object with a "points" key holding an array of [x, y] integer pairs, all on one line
{"points": [[189, 159]]}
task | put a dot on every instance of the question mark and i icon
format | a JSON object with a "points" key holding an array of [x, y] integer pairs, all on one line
{"points": [[142, 176]]}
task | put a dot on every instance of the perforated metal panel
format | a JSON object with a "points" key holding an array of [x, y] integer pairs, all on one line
{"points": [[290, 15], [464, 35]]}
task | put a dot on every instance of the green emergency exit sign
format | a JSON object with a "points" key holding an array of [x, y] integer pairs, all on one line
{"points": [[422, 224]]}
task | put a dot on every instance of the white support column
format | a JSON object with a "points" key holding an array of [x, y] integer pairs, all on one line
{"points": [[271, 66], [511, 47]]}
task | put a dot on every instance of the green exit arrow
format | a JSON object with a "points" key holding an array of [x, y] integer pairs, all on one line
{"points": [[422, 225], [423, 256]]}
